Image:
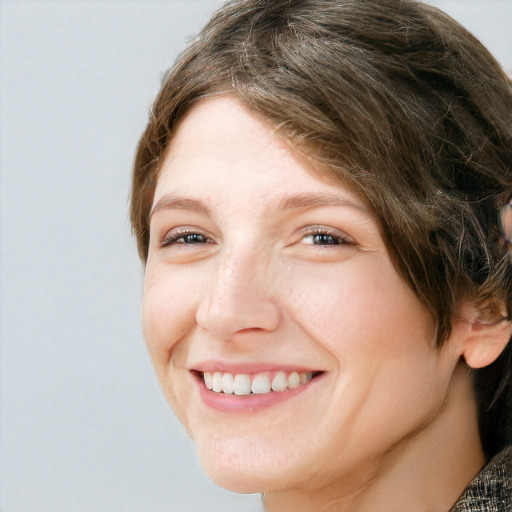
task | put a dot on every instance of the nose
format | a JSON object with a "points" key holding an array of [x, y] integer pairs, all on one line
{"points": [[239, 298]]}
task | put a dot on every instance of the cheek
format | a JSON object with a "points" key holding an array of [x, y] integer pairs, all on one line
{"points": [[361, 308], [168, 311]]}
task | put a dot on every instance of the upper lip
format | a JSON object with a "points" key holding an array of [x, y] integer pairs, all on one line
{"points": [[256, 367]]}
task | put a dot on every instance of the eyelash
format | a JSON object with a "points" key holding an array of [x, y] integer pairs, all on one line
{"points": [[338, 237], [173, 238]]}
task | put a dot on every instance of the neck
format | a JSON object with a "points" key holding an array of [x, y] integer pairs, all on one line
{"points": [[424, 473]]}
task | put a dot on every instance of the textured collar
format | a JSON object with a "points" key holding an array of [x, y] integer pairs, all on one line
{"points": [[491, 489]]}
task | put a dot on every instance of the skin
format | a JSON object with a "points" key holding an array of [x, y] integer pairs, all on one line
{"points": [[391, 421]]}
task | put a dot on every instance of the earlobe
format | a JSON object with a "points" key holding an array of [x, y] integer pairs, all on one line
{"points": [[482, 340]]}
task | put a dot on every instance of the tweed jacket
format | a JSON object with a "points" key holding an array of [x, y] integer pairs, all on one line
{"points": [[491, 489]]}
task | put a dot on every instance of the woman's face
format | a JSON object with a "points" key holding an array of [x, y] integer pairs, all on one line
{"points": [[265, 272]]}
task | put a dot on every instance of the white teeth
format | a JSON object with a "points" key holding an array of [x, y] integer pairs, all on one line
{"points": [[217, 382], [293, 380], [260, 384], [279, 382], [242, 384], [227, 383]]}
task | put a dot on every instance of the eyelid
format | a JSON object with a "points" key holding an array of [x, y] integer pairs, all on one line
{"points": [[324, 230], [173, 235]]}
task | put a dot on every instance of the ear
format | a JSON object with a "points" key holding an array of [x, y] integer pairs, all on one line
{"points": [[480, 340]]}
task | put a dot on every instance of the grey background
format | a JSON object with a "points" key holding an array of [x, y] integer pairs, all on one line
{"points": [[83, 425]]}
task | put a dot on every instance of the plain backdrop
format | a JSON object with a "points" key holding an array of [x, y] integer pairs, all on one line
{"points": [[83, 425]]}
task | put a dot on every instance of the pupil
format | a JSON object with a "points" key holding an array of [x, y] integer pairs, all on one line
{"points": [[194, 238], [321, 239]]}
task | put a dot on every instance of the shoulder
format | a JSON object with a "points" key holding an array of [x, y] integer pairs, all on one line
{"points": [[491, 489]]}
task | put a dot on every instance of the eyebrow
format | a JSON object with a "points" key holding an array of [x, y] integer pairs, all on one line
{"points": [[297, 201], [171, 202], [308, 200]]}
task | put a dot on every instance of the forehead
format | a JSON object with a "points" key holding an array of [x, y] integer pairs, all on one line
{"points": [[220, 148]]}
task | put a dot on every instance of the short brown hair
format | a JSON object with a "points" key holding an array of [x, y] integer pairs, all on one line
{"points": [[393, 96]]}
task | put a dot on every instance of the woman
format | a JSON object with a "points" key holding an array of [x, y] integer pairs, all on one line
{"points": [[327, 289]]}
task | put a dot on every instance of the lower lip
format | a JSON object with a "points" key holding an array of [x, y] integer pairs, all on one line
{"points": [[248, 403]]}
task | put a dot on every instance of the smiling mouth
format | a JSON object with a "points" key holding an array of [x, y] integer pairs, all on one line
{"points": [[243, 384]]}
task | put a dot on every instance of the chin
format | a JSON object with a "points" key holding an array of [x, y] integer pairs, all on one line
{"points": [[245, 466], [238, 482]]}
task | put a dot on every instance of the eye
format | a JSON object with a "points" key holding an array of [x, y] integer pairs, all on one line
{"points": [[324, 237], [185, 237]]}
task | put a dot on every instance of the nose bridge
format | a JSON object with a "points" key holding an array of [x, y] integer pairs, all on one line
{"points": [[234, 272], [240, 295]]}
